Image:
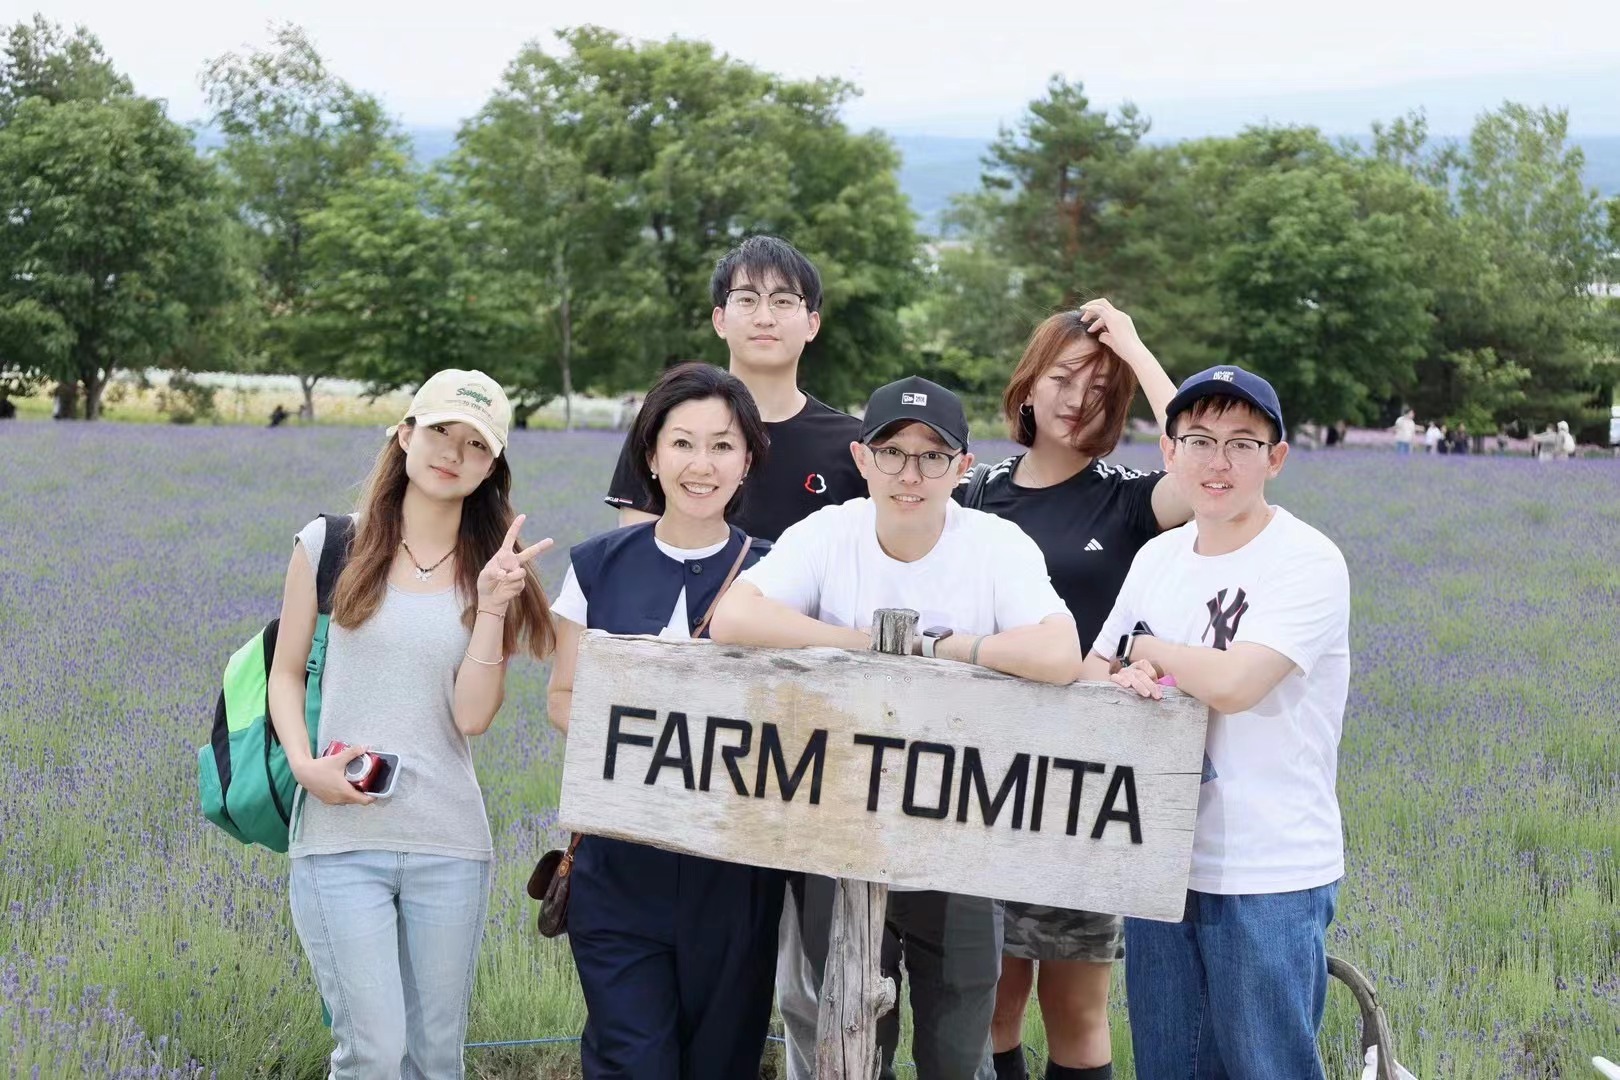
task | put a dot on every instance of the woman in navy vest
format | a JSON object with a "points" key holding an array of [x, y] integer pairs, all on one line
{"points": [[676, 953]]}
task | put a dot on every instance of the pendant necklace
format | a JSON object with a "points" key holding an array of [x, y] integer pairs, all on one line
{"points": [[424, 573]]}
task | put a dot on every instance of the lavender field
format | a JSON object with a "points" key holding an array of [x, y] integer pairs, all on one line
{"points": [[1480, 772]]}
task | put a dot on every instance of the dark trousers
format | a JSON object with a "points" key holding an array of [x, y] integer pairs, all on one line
{"points": [[677, 958], [951, 945]]}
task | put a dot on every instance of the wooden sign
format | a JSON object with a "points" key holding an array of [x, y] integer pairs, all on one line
{"points": [[924, 774]]}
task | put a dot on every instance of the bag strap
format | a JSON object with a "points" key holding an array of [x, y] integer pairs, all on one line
{"points": [[973, 498], [334, 556], [748, 542]]}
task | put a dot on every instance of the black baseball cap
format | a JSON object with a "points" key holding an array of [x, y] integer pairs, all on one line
{"points": [[916, 398], [1227, 380]]}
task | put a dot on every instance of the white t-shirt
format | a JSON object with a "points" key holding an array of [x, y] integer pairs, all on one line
{"points": [[1405, 428], [1431, 437], [572, 605], [982, 577], [1268, 822]]}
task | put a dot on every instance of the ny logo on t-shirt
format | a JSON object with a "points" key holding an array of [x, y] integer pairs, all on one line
{"points": [[1223, 619]]}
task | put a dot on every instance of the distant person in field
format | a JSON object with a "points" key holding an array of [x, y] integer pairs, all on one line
{"points": [[1546, 444], [1405, 432], [766, 306], [389, 896], [278, 416], [676, 953], [1433, 437], [1459, 439], [981, 587], [1566, 441], [8, 409], [1247, 609], [1067, 404]]}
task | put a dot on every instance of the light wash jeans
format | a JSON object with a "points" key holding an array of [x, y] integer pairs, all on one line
{"points": [[1235, 989], [393, 940]]}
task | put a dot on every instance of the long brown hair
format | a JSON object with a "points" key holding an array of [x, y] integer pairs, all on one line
{"points": [[1049, 342], [486, 514]]}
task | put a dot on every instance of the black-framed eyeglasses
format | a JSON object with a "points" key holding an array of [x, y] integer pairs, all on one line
{"points": [[932, 464], [1241, 451], [783, 303]]}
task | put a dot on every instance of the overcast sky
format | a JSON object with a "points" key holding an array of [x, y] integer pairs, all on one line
{"points": [[1194, 64]]}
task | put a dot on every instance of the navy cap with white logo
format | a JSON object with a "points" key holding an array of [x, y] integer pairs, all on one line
{"points": [[916, 398], [1227, 380]]}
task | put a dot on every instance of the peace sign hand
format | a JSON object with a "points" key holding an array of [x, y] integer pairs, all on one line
{"points": [[506, 573]]}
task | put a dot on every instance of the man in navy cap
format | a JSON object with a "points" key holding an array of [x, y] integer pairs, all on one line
{"points": [[981, 587], [1246, 608]]}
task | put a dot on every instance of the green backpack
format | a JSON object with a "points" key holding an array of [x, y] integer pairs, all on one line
{"points": [[246, 785]]}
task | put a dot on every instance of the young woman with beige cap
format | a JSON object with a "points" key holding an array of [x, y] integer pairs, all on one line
{"points": [[390, 882]]}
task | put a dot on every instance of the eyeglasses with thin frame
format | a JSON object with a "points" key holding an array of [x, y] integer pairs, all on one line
{"points": [[783, 303], [932, 464], [1201, 448]]}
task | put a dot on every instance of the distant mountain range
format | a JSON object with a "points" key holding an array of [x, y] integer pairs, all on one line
{"points": [[935, 168]]}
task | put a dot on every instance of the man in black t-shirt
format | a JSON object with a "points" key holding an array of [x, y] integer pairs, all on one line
{"points": [[767, 307]]}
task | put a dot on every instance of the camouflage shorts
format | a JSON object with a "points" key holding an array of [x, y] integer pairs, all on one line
{"points": [[1038, 932]]}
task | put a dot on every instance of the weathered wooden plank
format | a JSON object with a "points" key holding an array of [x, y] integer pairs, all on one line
{"points": [[854, 990], [698, 747]]}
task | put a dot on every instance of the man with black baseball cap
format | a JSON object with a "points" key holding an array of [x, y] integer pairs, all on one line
{"points": [[1247, 609], [974, 578]]}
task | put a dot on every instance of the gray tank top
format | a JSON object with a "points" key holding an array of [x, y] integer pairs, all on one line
{"points": [[389, 685]]}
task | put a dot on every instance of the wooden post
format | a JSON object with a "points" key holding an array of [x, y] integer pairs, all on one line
{"points": [[854, 990]]}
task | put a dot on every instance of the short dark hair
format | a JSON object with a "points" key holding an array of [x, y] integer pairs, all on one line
{"points": [[764, 255], [1220, 405], [693, 381]]}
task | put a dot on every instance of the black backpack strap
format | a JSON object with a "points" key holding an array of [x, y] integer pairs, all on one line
{"points": [[973, 498], [334, 554]]}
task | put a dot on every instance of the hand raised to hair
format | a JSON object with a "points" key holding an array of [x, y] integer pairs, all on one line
{"points": [[507, 572], [1115, 329]]}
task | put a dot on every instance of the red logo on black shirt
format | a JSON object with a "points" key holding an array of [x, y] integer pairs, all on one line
{"points": [[815, 484]]}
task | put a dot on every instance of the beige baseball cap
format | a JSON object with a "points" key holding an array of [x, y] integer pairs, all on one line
{"points": [[470, 397]]}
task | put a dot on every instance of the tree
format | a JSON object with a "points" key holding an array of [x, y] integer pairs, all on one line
{"points": [[402, 282], [296, 136], [1319, 274], [41, 61], [1049, 188], [680, 152], [562, 231], [112, 227], [1517, 325]]}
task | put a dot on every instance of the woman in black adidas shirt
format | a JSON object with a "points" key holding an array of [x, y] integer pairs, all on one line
{"points": [[1068, 402]]}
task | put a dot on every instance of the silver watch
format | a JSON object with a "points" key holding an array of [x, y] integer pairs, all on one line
{"points": [[931, 638]]}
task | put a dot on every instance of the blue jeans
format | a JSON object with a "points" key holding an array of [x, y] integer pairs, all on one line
{"points": [[1235, 989], [393, 940]]}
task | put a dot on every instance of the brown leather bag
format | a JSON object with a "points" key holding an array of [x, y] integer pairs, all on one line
{"points": [[549, 884], [553, 874]]}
